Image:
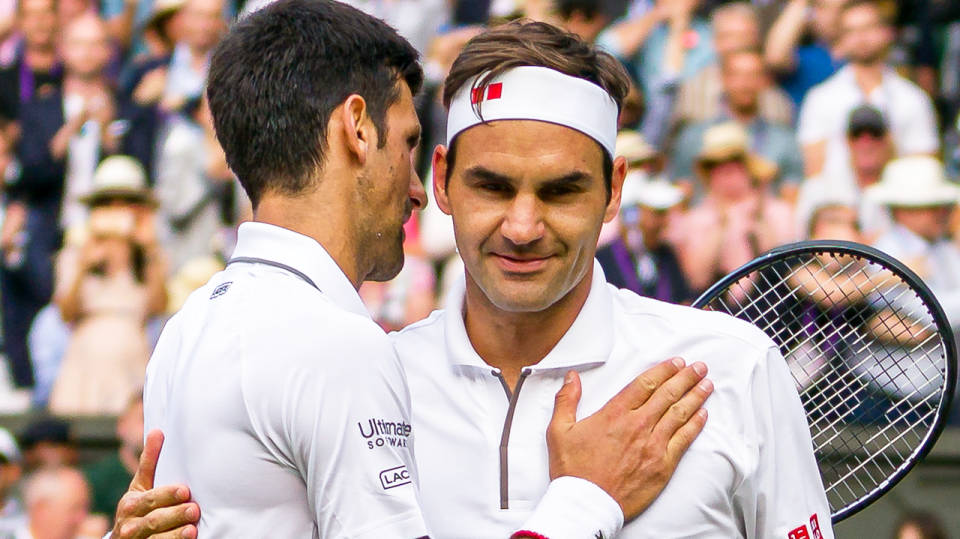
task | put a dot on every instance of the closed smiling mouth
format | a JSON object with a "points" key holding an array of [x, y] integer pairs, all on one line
{"points": [[512, 263]]}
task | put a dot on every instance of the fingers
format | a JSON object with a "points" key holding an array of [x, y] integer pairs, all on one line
{"points": [[642, 387], [143, 480], [672, 391], [186, 532], [683, 411], [684, 437], [178, 521], [139, 504], [567, 400]]}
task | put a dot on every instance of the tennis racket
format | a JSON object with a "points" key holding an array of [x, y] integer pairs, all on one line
{"points": [[870, 349]]}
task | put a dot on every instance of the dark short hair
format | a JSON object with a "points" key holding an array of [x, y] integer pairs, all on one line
{"points": [[536, 44], [278, 75], [590, 9]]}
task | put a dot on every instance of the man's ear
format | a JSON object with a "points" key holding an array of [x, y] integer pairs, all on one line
{"points": [[359, 133], [616, 188], [440, 179]]}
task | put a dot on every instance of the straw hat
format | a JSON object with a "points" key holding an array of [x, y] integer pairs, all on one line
{"points": [[656, 193], [914, 182], [634, 148], [729, 141], [119, 176]]}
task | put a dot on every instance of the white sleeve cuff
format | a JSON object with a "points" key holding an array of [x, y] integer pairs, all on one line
{"points": [[574, 508]]}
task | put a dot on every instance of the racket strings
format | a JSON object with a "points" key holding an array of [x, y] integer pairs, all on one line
{"points": [[865, 353]]}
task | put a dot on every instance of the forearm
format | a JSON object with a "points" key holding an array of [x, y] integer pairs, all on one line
{"points": [[70, 303], [632, 34], [675, 53], [155, 281], [784, 35]]}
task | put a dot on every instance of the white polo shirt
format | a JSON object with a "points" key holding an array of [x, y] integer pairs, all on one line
{"points": [[751, 473], [825, 115], [284, 407]]}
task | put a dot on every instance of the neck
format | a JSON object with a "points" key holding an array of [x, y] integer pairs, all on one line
{"points": [[868, 76], [40, 58], [510, 341], [312, 216], [866, 178], [82, 85], [744, 115]]}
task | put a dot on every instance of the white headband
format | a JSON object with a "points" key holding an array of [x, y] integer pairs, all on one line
{"points": [[537, 93]]}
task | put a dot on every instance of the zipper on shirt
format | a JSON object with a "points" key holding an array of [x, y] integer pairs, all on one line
{"points": [[513, 396]]}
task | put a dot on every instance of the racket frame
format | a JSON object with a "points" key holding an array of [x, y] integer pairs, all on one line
{"points": [[860, 251]]}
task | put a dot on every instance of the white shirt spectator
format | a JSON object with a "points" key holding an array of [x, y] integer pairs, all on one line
{"points": [[82, 159], [751, 473], [825, 112], [283, 405]]}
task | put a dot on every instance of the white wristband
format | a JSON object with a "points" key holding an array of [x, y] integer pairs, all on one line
{"points": [[574, 508]]}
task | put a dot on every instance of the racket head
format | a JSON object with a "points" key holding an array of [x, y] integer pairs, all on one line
{"points": [[871, 351]]}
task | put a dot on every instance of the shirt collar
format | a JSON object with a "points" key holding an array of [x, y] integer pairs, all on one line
{"points": [[588, 342], [305, 254]]}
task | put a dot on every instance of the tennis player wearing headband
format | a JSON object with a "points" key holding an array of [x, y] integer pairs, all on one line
{"points": [[529, 177]]}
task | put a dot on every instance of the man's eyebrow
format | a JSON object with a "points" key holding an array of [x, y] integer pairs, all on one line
{"points": [[567, 179], [482, 173]]}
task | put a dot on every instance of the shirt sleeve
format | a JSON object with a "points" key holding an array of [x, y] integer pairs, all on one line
{"points": [[344, 423], [785, 495], [814, 121], [919, 131]]}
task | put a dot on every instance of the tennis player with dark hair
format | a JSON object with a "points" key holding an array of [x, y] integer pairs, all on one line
{"points": [[284, 407]]}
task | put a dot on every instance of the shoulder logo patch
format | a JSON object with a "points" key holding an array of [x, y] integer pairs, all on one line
{"points": [[395, 477], [221, 290]]}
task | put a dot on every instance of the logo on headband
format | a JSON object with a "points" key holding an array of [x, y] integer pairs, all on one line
{"points": [[494, 91]]}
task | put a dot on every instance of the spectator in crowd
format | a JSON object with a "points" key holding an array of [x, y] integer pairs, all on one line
{"points": [[640, 259], [110, 283], [12, 514], [644, 162], [919, 525], [87, 114], [744, 80], [870, 149], [187, 72], [738, 218], [674, 45], [921, 201], [866, 37], [35, 70], [146, 77], [58, 500], [46, 443], [705, 96], [192, 182], [803, 46], [110, 476], [29, 236]]}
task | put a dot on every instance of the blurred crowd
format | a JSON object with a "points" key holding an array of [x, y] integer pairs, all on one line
{"points": [[751, 124]]}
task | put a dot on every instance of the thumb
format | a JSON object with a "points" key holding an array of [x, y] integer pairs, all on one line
{"points": [[143, 480], [565, 405]]}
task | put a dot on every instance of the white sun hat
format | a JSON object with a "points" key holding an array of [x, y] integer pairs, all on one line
{"points": [[656, 193], [914, 182]]}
